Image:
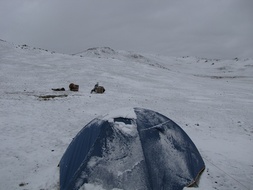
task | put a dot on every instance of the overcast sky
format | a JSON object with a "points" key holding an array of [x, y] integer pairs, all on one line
{"points": [[203, 28]]}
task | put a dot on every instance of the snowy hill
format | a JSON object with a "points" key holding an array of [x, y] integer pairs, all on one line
{"points": [[109, 53], [212, 100]]}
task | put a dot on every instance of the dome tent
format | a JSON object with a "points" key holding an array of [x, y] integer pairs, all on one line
{"points": [[131, 149]]}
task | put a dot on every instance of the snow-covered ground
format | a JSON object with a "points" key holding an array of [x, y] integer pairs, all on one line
{"points": [[212, 100]]}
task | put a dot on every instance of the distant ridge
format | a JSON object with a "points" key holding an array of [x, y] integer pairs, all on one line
{"points": [[97, 52]]}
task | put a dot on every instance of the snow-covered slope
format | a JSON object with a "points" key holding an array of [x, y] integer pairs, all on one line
{"points": [[212, 100]]}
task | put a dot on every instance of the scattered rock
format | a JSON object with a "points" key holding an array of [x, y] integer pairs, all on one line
{"points": [[58, 89], [73, 87], [47, 97], [23, 184]]}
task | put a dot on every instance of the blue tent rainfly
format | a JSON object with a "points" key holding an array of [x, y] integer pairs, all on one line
{"points": [[132, 148]]}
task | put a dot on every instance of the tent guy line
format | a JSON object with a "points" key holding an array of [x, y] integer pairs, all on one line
{"points": [[225, 172], [156, 126]]}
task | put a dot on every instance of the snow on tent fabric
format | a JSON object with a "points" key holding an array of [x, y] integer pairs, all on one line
{"points": [[131, 149]]}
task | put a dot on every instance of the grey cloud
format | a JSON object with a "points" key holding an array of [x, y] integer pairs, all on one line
{"points": [[204, 28]]}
